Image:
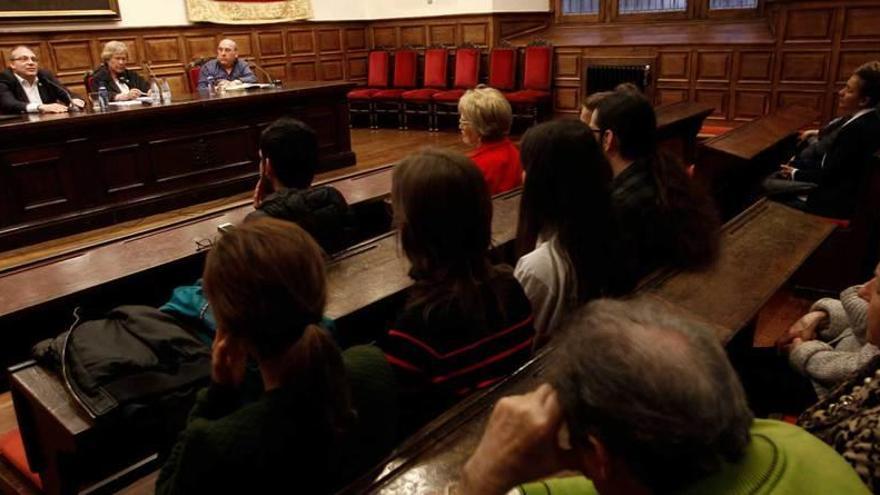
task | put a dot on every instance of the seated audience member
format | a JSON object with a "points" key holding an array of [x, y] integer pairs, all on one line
{"points": [[485, 122], [466, 323], [122, 83], [640, 401], [664, 217], [590, 104], [226, 68], [837, 159], [25, 88], [837, 337], [567, 230], [628, 87], [288, 161], [267, 285]]}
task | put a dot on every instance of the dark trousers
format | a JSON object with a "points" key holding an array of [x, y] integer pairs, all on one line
{"points": [[771, 385]]}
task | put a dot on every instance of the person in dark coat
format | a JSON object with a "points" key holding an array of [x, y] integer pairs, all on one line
{"points": [[25, 88], [122, 83]]}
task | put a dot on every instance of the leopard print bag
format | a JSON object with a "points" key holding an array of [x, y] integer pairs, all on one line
{"points": [[848, 419]]}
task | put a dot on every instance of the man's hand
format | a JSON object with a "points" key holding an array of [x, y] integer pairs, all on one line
{"points": [[804, 329], [808, 134], [520, 444], [52, 108], [228, 360], [135, 93], [787, 171], [78, 103]]}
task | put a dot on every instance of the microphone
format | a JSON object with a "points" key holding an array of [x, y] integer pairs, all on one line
{"points": [[150, 70], [64, 91], [272, 81]]}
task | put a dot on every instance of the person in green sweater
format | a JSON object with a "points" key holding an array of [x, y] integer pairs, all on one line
{"points": [[640, 401], [266, 283]]}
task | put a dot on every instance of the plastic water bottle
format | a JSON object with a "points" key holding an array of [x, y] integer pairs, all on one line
{"points": [[103, 98], [211, 89], [166, 91], [155, 92]]}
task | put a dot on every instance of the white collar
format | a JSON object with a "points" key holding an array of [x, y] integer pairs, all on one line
{"points": [[858, 114], [24, 81]]}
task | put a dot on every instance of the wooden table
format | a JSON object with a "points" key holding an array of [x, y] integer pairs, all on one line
{"points": [[678, 125], [67, 173], [733, 164]]}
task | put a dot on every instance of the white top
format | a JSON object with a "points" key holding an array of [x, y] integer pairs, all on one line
{"points": [[32, 90], [547, 279], [123, 88]]}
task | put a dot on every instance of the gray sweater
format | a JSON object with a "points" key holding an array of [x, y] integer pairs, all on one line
{"points": [[841, 345]]}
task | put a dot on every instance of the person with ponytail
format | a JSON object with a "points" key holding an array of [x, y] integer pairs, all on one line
{"points": [[266, 283], [663, 215], [466, 323], [567, 234]]}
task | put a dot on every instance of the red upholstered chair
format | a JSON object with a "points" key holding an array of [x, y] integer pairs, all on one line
{"points": [[533, 100], [387, 101], [467, 76], [360, 101], [418, 101], [192, 73], [502, 69]]}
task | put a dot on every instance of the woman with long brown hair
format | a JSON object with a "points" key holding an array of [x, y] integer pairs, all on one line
{"points": [[266, 283], [466, 323]]}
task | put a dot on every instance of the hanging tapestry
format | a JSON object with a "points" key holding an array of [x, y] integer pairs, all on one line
{"points": [[247, 11]]}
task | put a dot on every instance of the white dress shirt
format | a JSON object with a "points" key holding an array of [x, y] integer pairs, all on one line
{"points": [[33, 93]]}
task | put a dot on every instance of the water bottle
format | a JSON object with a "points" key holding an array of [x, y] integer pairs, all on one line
{"points": [[166, 91], [155, 92], [211, 88], [103, 98]]}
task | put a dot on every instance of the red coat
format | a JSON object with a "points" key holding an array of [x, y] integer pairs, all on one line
{"points": [[499, 162]]}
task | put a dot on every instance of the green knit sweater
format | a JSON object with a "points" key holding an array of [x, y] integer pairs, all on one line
{"points": [[230, 447], [781, 459]]}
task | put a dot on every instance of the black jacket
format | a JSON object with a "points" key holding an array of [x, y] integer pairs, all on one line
{"points": [[840, 177], [320, 211], [102, 76], [13, 99]]}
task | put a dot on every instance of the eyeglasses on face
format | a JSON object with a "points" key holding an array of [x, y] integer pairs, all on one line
{"points": [[25, 58]]}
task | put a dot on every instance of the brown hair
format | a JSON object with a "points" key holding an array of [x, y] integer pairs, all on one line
{"points": [[266, 284], [869, 73], [443, 214], [592, 101]]}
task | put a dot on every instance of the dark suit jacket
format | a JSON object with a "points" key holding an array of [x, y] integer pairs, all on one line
{"points": [[102, 76], [844, 169], [13, 99]]}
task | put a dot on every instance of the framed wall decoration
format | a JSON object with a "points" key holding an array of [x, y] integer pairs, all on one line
{"points": [[29, 10]]}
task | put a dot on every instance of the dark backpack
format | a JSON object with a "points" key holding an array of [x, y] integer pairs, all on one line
{"points": [[136, 365]]}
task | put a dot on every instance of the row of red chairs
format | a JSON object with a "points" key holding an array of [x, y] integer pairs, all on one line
{"points": [[400, 94]]}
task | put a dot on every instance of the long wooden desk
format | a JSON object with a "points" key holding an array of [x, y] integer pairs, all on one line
{"points": [[70, 172], [678, 125], [772, 238], [731, 166]]}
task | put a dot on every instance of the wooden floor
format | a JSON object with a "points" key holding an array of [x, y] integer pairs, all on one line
{"points": [[372, 147]]}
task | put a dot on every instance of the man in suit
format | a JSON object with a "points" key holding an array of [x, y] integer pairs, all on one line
{"points": [[836, 162], [25, 88]]}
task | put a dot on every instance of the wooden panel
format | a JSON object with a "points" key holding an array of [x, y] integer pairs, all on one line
{"points": [[243, 42], [807, 67], [714, 66], [666, 96], [716, 98], [673, 66], [508, 28], [755, 67], [332, 70], [329, 40], [384, 37], [356, 39], [177, 81], [72, 56], [851, 60], [567, 65], [809, 99], [357, 68], [41, 179], [303, 71], [301, 42], [477, 34], [162, 49], [122, 172], [413, 36], [201, 46], [567, 98], [187, 158], [442, 34], [809, 25], [277, 71], [271, 43], [862, 23], [131, 43], [749, 105]]}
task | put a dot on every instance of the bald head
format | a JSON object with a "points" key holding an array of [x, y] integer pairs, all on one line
{"points": [[23, 61], [227, 52]]}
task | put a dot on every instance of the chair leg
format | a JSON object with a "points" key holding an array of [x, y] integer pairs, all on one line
{"points": [[403, 116]]}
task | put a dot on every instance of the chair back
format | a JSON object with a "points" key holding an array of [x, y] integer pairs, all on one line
{"points": [[502, 68], [467, 68], [193, 69], [436, 68], [538, 67], [377, 69], [405, 68]]}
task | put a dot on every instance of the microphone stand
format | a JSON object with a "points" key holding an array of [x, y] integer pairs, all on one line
{"points": [[154, 78], [70, 105], [272, 81]]}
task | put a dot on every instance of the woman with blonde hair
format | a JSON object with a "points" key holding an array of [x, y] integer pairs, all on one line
{"points": [[486, 118], [121, 82]]}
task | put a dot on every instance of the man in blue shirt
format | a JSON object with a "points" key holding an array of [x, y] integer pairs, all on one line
{"points": [[226, 68]]}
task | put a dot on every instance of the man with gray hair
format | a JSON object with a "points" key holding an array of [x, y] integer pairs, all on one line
{"points": [[226, 68], [641, 401]]}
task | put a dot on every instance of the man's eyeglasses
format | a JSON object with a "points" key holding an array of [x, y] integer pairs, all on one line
{"points": [[25, 58], [596, 132]]}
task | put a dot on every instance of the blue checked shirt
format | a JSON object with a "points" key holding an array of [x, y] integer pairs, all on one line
{"points": [[240, 71]]}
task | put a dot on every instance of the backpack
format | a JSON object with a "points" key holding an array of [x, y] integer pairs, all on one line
{"points": [[137, 366]]}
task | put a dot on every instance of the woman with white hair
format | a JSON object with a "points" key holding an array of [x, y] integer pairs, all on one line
{"points": [[122, 83], [486, 118]]}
